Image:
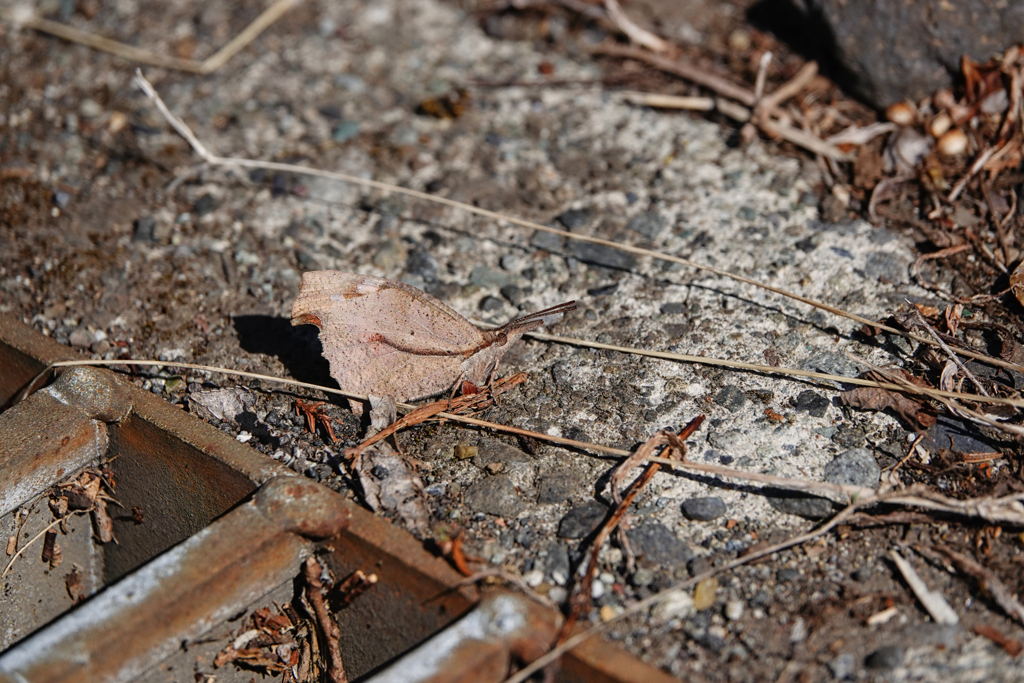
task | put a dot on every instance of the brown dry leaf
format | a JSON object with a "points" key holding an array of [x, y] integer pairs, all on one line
{"points": [[451, 105], [81, 494], [51, 549], [917, 414], [1017, 282], [12, 544], [73, 584], [59, 506], [104, 524]]}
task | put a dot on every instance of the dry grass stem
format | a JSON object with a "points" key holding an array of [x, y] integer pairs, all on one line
{"points": [[214, 160], [932, 601], [135, 54], [635, 33]]}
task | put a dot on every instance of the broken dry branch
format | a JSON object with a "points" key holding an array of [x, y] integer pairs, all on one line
{"points": [[328, 627]]}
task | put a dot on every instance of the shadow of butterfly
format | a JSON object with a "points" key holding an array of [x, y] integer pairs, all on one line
{"points": [[385, 338]]}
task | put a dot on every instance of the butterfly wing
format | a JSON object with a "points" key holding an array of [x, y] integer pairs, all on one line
{"points": [[383, 337]]}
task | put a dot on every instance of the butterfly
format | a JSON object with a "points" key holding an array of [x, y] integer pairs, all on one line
{"points": [[386, 338]]}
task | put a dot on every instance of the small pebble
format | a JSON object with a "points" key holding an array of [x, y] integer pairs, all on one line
{"points": [[799, 632], [704, 509], [533, 578], [557, 594], [888, 657], [734, 610], [674, 604], [641, 577], [608, 613], [465, 451], [80, 338], [597, 590], [704, 594]]}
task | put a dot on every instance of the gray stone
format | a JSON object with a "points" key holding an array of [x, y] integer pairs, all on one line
{"points": [[698, 565], [346, 130], [574, 219], [582, 520], [886, 657], [855, 467], [957, 435], [493, 495], [421, 263], [641, 577], [391, 254], [844, 666], [649, 224], [811, 402], [802, 505], [787, 574], [547, 241], [81, 338], [885, 267], [557, 560], [704, 509], [514, 293], [144, 229], [726, 441], [600, 255], [491, 451], [926, 38], [673, 308], [486, 277], [557, 486], [655, 543], [731, 398], [205, 204], [491, 303]]}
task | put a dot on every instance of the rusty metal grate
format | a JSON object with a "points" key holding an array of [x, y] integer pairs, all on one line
{"points": [[217, 531]]}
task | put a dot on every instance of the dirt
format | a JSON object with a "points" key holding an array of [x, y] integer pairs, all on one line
{"points": [[113, 241]]}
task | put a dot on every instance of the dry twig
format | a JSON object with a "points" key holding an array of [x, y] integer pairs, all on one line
{"points": [[932, 601], [328, 627]]}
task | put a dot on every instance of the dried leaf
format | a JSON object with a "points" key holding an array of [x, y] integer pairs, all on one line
{"points": [[104, 524], [12, 544], [916, 414], [51, 549], [1017, 282], [73, 584]]}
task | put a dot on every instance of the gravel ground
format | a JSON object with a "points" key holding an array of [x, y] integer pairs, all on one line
{"points": [[97, 253]]}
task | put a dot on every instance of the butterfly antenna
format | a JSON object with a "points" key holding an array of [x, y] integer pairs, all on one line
{"points": [[535, 319]]}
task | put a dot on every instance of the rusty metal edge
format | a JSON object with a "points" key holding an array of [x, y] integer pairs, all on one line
{"points": [[29, 352], [24, 353]]}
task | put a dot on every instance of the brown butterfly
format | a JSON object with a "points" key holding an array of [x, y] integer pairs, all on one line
{"points": [[386, 338]]}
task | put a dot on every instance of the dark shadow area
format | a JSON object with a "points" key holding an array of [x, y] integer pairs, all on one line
{"points": [[807, 34], [298, 348]]}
